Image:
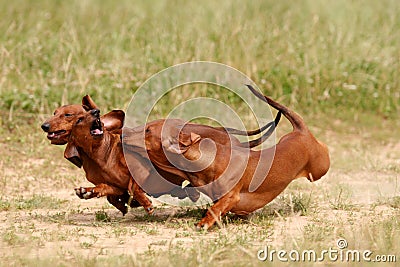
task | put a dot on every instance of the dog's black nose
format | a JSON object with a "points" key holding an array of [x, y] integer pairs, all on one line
{"points": [[46, 127], [95, 112]]}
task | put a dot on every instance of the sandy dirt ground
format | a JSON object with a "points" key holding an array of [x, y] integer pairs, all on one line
{"points": [[367, 173]]}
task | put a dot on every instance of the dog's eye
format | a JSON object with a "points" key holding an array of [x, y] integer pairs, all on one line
{"points": [[68, 115], [79, 120], [147, 130]]}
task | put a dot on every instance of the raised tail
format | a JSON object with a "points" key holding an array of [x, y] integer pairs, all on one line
{"points": [[253, 143], [295, 119], [247, 133], [261, 139]]}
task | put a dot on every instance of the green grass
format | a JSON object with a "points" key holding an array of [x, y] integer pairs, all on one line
{"points": [[339, 58], [31, 203], [102, 216], [335, 63]]}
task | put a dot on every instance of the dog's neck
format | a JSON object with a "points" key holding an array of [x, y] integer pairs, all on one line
{"points": [[96, 149]]}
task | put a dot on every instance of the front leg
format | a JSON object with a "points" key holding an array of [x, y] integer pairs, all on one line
{"points": [[219, 209], [119, 201], [99, 190]]}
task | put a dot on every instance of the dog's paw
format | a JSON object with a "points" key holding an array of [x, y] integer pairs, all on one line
{"points": [[150, 210], [84, 193], [201, 227], [78, 192]]}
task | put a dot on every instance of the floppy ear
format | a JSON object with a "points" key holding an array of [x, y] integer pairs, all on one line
{"points": [[186, 139], [113, 120], [183, 144], [88, 104], [72, 154]]}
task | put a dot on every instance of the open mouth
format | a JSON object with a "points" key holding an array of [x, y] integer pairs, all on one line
{"points": [[97, 128], [56, 134]]}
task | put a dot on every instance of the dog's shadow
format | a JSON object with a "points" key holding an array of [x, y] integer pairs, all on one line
{"points": [[134, 215], [191, 215], [163, 215]]}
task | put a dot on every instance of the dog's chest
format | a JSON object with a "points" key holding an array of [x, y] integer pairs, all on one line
{"points": [[93, 170], [94, 173]]}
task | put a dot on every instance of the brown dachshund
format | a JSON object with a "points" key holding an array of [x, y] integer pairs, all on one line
{"points": [[100, 153], [238, 179], [151, 148], [59, 128]]}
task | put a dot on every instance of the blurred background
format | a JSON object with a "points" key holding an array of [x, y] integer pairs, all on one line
{"points": [[337, 60]]}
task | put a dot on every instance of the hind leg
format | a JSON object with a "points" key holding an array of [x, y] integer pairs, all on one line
{"points": [[121, 202], [140, 196], [219, 209]]}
